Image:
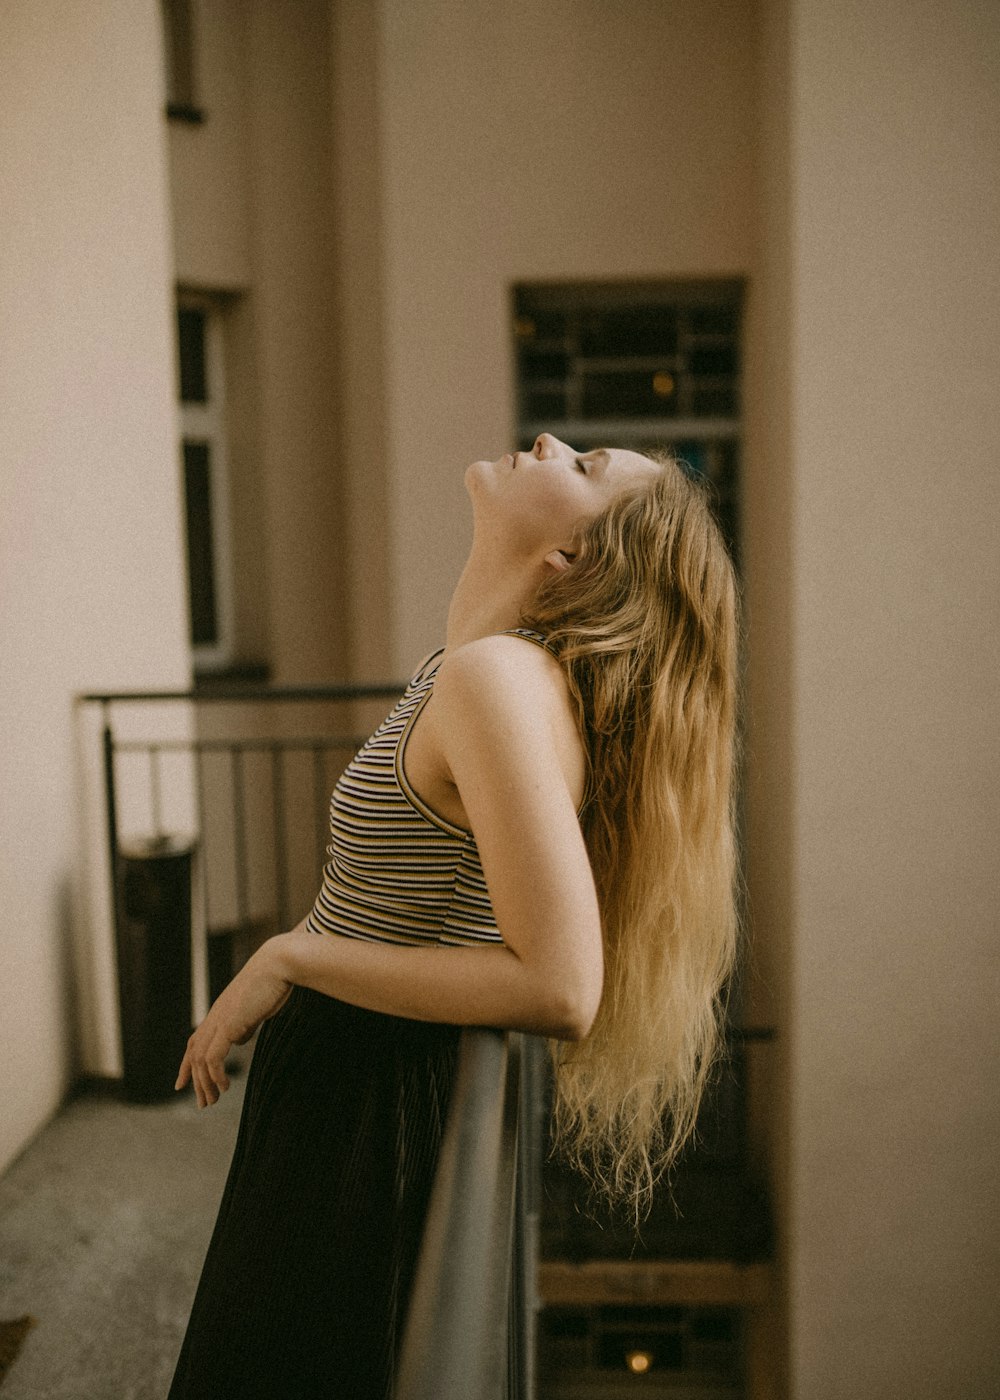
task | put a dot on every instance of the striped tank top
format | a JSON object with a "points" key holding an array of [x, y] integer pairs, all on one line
{"points": [[398, 872]]}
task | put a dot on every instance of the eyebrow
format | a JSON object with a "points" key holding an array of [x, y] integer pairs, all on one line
{"points": [[601, 456]]}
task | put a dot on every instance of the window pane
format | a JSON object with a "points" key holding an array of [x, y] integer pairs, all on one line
{"points": [[715, 320], [178, 45], [714, 403], [713, 359], [543, 403], [639, 330], [201, 552], [191, 351], [536, 362], [630, 393]]}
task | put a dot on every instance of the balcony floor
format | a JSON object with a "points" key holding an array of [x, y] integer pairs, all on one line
{"points": [[104, 1223]]}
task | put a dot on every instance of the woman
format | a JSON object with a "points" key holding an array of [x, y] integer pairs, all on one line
{"points": [[538, 837]]}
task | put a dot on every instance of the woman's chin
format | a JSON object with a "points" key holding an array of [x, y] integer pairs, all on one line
{"points": [[474, 474]]}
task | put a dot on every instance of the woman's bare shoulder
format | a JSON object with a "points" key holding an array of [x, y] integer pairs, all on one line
{"points": [[503, 665], [517, 688]]}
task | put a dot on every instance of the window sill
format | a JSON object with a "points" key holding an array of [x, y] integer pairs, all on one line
{"points": [[184, 112], [249, 673]]}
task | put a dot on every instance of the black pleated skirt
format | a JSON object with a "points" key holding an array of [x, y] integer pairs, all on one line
{"points": [[305, 1286]]}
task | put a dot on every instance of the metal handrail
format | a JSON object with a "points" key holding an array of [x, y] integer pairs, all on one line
{"points": [[466, 1303], [214, 694], [221, 693]]}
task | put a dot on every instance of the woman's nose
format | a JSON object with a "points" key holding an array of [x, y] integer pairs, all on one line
{"points": [[547, 446]]}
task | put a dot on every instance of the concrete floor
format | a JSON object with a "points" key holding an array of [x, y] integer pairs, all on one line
{"points": [[104, 1223]]}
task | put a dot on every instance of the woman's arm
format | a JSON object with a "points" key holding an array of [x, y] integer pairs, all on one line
{"points": [[499, 720]]}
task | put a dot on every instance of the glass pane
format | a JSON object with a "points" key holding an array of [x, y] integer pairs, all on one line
{"points": [[178, 42], [200, 546], [541, 363], [538, 323], [694, 457], [714, 320], [640, 330], [661, 1350], [191, 351], [630, 393], [715, 402], [542, 405], [713, 359]]}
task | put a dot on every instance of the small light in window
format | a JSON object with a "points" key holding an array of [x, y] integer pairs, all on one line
{"points": [[638, 1362], [663, 384], [524, 328]]}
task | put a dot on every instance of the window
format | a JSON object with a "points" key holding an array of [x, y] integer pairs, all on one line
{"points": [[204, 462], [637, 365], [179, 60]]}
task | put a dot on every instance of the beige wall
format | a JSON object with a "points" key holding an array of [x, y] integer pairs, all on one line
{"points": [[359, 245], [251, 195], [521, 141], [211, 163], [875, 600], [91, 582]]}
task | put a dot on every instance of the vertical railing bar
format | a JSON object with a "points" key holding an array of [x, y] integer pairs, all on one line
{"points": [[199, 788], [111, 809], [319, 805], [240, 848], [278, 821], [529, 1170], [155, 795], [114, 864]]}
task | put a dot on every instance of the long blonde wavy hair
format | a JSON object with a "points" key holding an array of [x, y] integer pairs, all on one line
{"points": [[646, 627]]}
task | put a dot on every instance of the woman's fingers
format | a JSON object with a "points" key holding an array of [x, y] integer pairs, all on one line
{"points": [[205, 1088], [254, 994], [204, 1065], [215, 1062]]}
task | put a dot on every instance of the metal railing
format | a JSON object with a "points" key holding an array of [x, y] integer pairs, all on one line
{"points": [[235, 751], [470, 1328]]}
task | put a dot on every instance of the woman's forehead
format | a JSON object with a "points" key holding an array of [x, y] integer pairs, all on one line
{"points": [[622, 462]]}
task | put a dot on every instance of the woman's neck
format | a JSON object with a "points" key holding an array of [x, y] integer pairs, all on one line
{"points": [[489, 597]]}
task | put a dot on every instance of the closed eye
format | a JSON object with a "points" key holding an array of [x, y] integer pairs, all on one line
{"points": [[581, 465]]}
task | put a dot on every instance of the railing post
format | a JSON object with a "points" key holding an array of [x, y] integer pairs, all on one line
{"points": [[111, 815], [530, 1147], [456, 1342]]}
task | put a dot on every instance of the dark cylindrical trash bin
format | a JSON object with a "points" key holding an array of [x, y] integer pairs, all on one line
{"points": [[154, 963]]}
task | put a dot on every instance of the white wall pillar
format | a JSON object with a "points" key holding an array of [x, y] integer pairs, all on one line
{"points": [[880, 256], [91, 556]]}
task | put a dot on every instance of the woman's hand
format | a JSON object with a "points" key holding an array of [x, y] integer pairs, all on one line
{"points": [[257, 992]]}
